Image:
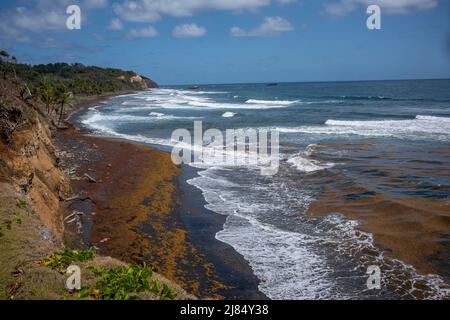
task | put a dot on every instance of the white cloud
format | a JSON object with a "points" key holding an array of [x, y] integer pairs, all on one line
{"points": [[188, 31], [115, 25], [271, 26], [148, 32], [35, 20], [43, 17], [343, 7], [152, 10]]}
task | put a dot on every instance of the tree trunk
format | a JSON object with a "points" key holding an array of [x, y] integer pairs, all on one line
{"points": [[61, 114]]}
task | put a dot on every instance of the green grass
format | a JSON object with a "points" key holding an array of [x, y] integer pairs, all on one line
{"points": [[18, 218], [22, 204], [7, 224], [60, 260]]}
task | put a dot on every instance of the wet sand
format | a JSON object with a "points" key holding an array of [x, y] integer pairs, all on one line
{"points": [[202, 225], [140, 209]]}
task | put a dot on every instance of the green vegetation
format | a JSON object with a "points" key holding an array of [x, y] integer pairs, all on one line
{"points": [[21, 203], [115, 283], [124, 283], [55, 86], [77, 78], [118, 283], [60, 260], [165, 293], [18, 218], [7, 63], [7, 224]]}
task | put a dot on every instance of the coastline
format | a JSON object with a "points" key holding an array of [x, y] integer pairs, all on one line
{"points": [[138, 214]]}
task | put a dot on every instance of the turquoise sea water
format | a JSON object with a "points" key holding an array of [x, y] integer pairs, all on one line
{"points": [[389, 137]]}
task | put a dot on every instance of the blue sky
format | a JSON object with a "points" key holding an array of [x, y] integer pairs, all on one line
{"points": [[234, 41]]}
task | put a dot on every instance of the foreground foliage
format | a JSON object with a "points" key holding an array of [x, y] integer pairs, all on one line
{"points": [[60, 260], [123, 283]]}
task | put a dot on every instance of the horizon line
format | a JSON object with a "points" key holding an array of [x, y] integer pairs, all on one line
{"points": [[288, 82]]}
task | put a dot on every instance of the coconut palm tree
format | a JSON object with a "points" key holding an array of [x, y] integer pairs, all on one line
{"points": [[63, 99], [47, 96]]}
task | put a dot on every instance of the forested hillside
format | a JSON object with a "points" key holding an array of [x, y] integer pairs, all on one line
{"points": [[76, 78]]}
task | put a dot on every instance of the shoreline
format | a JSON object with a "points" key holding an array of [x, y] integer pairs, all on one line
{"points": [[176, 236]]}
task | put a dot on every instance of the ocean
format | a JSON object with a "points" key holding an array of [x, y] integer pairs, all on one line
{"points": [[363, 180]]}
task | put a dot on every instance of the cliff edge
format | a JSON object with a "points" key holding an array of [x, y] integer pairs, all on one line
{"points": [[33, 187]]}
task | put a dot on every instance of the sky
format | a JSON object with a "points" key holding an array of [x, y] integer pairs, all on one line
{"points": [[236, 41]]}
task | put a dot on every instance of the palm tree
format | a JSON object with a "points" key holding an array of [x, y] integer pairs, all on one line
{"points": [[64, 98], [47, 96]]}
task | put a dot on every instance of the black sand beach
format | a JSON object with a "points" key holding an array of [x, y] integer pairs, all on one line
{"points": [[212, 269]]}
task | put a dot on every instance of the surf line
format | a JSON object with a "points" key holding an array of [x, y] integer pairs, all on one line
{"points": [[240, 147]]}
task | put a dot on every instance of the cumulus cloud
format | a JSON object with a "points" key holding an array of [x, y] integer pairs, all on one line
{"points": [[42, 16], [148, 32], [271, 26], [152, 10], [343, 7], [115, 25], [188, 31]]}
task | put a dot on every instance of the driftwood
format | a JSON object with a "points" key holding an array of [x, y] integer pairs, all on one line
{"points": [[75, 213], [72, 198], [90, 178]]}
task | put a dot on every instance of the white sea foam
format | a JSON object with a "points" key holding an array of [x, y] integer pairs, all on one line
{"points": [[203, 92], [156, 114], [128, 95], [422, 127], [98, 117], [272, 102], [220, 105], [433, 118], [303, 164], [106, 130], [284, 261], [177, 99], [229, 114]]}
